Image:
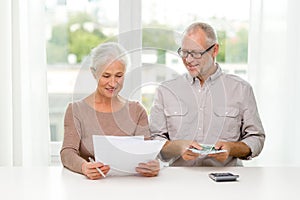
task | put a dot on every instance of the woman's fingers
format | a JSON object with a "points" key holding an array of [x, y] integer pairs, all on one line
{"points": [[90, 170], [149, 169]]}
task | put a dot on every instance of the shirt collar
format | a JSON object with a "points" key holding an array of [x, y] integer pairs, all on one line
{"points": [[190, 79], [217, 73]]}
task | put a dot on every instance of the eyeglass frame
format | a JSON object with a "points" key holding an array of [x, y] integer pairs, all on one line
{"points": [[192, 53]]}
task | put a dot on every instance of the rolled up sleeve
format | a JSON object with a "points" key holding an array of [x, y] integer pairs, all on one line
{"points": [[253, 133]]}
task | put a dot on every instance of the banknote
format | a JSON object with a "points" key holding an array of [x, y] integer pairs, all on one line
{"points": [[207, 149]]}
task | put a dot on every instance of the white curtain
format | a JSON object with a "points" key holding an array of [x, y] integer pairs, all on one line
{"points": [[274, 71], [24, 130]]}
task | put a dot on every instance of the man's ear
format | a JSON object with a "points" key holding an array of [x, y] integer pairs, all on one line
{"points": [[216, 50]]}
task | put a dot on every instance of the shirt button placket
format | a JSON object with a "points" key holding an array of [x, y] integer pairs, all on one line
{"points": [[200, 113]]}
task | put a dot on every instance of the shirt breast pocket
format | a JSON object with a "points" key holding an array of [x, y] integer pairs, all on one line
{"points": [[228, 120], [175, 117]]}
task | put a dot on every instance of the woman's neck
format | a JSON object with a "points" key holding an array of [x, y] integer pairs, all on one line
{"points": [[104, 104]]}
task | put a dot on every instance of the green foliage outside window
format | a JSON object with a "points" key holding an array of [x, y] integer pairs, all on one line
{"points": [[161, 38], [222, 46], [238, 47], [57, 46], [74, 38]]}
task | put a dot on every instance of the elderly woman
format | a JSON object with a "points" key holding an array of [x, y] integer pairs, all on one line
{"points": [[104, 112]]}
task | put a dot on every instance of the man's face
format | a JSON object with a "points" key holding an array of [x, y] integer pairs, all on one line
{"points": [[196, 42]]}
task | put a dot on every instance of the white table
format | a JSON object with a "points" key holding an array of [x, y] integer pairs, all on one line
{"points": [[172, 183]]}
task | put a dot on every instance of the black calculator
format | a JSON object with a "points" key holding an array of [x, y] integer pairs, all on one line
{"points": [[219, 177]]}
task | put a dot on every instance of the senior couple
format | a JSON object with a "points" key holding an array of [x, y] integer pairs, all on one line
{"points": [[203, 106]]}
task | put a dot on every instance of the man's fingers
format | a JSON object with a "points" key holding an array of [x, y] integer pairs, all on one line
{"points": [[195, 145], [191, 156]]}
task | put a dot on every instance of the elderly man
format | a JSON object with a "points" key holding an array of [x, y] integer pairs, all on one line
{"points": [[206, 106]]}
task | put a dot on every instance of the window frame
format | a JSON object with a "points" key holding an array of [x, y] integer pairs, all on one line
{"points": [[130, 36]]}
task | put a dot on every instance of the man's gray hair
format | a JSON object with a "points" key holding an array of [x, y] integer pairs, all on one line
{"points": [[208, 29], [106, 53]]}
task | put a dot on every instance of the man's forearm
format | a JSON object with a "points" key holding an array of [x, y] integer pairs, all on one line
{"points": [[239, 150], [174, 148]]}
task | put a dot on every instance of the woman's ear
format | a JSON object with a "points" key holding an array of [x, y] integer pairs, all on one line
{"points": [[93, 70]]}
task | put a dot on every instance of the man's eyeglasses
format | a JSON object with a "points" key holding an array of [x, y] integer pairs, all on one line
{"points": [[194, 54]]}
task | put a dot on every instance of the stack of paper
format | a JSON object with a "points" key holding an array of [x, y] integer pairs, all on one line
{"points": [[124, 153]]}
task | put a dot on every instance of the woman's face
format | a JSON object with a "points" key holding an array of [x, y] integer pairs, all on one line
{"points": [[111, 79]]}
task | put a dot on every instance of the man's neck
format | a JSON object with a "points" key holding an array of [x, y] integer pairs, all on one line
{"points": [[203, 78]]}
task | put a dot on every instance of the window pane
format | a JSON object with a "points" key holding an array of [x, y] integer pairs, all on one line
{"points": [[163, 23], [73, 29]]}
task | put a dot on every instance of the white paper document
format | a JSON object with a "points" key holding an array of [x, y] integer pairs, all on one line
{"points": [[124, 153]]}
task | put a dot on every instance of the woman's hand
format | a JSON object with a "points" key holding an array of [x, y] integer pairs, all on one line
{"points": [[90, 171], [148, 169]]}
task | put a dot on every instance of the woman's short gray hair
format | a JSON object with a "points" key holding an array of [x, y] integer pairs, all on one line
{"points": [[106, 53]]}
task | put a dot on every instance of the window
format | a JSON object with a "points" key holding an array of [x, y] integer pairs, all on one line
{"points": [[164, 21], [73, 29]]}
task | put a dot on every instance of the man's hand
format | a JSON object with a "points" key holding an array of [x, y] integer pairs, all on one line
{"points": [[234, 149], [188, 154], [224, 155]]}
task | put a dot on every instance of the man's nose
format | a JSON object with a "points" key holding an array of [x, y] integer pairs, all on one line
{"points": [[189, 57]]}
